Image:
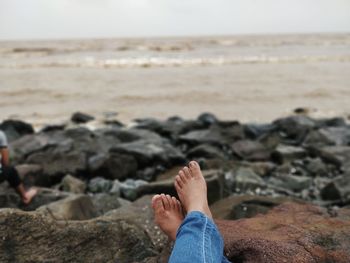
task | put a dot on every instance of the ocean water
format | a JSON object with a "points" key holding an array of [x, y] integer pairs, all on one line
{"points": [[249, 78]]}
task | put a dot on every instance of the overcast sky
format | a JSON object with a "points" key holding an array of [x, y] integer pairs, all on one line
{"points": [[46, 19]]}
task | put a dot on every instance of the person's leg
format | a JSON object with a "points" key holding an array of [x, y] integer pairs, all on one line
{"points": [[11, 175], [197, 239]]}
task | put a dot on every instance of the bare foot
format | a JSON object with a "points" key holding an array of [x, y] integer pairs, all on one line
{"points": [[28, 195], [192, 189], [168, 214]]}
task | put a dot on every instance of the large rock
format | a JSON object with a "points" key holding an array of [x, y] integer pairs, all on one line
{"points": [[294, 129], [113, 165], [15, 129], [251, 150], [244, 179], [288, 233], [74, 207], [80, 117], [216, 134], [73, 185], [245, 206], [206, 151], [286, 153], [34, 237], [337, 189], [151, 152]]}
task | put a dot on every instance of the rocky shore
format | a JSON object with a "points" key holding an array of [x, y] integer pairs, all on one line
{"points": [[280, 191]]}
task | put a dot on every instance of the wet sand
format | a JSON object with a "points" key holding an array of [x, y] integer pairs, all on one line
{"points": [[257, 92]]}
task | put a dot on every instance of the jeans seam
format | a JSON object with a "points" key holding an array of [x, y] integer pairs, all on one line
{"points": [[203, 245]]}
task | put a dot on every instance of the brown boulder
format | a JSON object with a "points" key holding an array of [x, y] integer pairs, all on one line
{"points": [[33, 237], [289, 233]]}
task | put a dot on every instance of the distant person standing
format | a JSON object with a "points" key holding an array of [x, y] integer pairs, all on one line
{"points": [[10, 174]]}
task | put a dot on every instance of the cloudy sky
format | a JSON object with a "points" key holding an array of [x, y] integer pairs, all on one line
{"points": [[46, 19]]}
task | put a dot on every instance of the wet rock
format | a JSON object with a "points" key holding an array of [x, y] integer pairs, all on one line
{"points": [[214, 135], [14, 129], [80, 117], [251, 150], [73, 185], [245, 179], [206, 151], [99, 185], [207, 119], [54, 241], [255, 131], [151, 152], [294, 129], [104, 202], [115, 189], [129, 188], [112, 166], [285, 153], [284, 233], [245, 206], [316, 167], [56, 163], [337, 189], [329, 136], [74, 207], [336, 155], [292, 182]]}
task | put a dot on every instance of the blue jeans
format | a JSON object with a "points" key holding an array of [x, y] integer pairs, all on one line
{"points": [[198, 241]]}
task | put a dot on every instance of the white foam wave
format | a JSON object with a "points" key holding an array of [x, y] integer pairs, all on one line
{"points": [[132, 62]]}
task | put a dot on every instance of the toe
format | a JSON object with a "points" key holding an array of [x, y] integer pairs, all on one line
{"points": [[187, 173], [166, 202], [182, 177], [157, 203], [195, 169], [171, 202], [178, 181]]}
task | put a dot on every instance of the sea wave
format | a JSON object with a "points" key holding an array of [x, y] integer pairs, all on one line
{"points": [[132, 62]]}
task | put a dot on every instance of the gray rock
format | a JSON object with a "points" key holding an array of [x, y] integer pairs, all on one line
{"points": [[99, 185], [317, 167], [292, 182], [151, 152], [214, 135], [206, 151], [337, 189], [115, 189], [104, 202], [294, 129], [80, 117], [129, 188], [207, 119], [15, 129], [73, 185], [246, 179], [285, 154], [75, 207], [251, 150], [113, 165]]}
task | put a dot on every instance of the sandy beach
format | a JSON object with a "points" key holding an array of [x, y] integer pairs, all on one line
{"points": [[253, 79]]}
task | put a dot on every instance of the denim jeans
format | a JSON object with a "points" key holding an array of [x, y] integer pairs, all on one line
{"points": [[198, 241]]}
